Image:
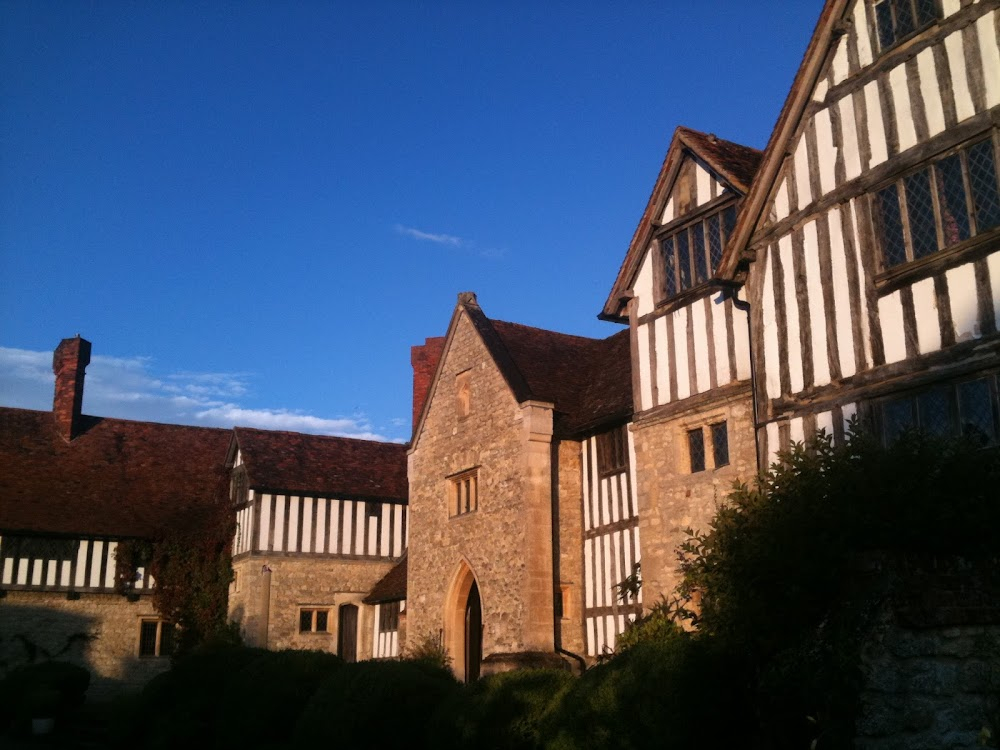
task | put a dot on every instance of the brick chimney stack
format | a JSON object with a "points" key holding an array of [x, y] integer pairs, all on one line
{"points": [[424, 359], [69, 363]]}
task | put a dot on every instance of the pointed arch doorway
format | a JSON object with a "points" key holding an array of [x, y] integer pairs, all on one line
{"points": [[464, 624]]}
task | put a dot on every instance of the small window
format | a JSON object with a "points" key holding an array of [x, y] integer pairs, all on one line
{"points": [[612, 448], [968, 408], [895, 20], [464, 493], [314, 620], [239, 486], [691, 255], [156, 638], [696, 448], [388, 617], [938, 206], [720, 444]]}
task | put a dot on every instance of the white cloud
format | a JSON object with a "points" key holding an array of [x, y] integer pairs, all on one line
{"points": [[127, 388], [441, 239]]}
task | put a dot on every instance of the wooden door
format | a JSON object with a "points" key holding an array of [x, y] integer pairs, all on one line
{"points": [[347, 633]]}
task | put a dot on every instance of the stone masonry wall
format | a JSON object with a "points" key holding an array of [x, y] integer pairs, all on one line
{"points": [[671, 498], [50, 621], [297, 582], [570, 540], [491, 540]]}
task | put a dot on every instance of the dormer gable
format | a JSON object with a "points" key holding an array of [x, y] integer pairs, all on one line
{"points": [[690, 215]]}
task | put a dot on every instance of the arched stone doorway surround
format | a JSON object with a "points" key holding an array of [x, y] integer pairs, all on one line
{"points": [[462, 619]]}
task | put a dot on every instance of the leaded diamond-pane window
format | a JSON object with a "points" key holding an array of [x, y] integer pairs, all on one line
{"points": [[934, 411], [920, 211], [951, 196], [953, 199], [983, 181], [897, 418], [691, 255], [976, 410], [720, 444], [897, 19], [696, 448], [893, 244]]}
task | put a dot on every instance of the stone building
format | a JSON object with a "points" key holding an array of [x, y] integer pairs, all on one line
{"points": [[320, 521], [522, 500], [71, 489]]}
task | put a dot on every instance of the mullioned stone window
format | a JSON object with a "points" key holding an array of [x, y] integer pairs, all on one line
{"points": [[156, 638], [464, 492]]}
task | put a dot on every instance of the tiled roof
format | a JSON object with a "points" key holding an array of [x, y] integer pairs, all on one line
{"points": [[116, 478], [588, 380], [323, 465], [392, 586], [733, 160]]}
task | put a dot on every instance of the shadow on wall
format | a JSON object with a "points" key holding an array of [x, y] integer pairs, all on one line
{"points": [[31, 634]]}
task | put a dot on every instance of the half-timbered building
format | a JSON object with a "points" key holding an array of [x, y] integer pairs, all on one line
{"points": [[523, 500], [72, 488], [870, 242], [320, 521], [690, 346]]}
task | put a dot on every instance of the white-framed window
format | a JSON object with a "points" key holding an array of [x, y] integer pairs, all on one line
{"points": [[314, 619], [156, 637]]}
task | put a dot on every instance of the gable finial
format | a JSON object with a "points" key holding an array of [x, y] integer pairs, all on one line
{"points": [[468, 298]]}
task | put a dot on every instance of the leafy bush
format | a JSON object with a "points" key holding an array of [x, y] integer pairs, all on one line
{"points": [[376, 704], [503, 711]]}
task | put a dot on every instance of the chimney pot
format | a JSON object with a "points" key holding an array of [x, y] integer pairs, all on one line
{"points": [[69, 363]]}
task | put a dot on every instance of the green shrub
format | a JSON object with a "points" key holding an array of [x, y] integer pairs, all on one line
{"points": [[674, 693], [502, 711], [376, 704]]}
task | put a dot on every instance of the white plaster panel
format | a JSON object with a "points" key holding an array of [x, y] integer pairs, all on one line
{"points": [[50, 574], [890, 312], [802, 173], [817, 307], [703, 182], [876, 128], [986, 28], [824, 421], [643, 287], [840, 67], [930, 90], [662, 360], [926, 309], [993, 263], [359, 528], [841, 296], [95, 563], [320, 514], [717, 305], [668, 212], [849, 138], [588, 566], [772, 364], [348, 527], [955, 47], [781, 200], [81, 563], [681, 352], [384, 550], [294, 507], [22, 571], [307, 524], [279, 523], [8, 571], [905, 129], [595, 486], [962, 297], [372, 541], [65, 571], [821, 90], [700, 325], [950, 7], [109, 575], [741, 340], [612, 489], [773, 438], [638, 555], [791, 316], [36, 572], [264, 535], [397, 539], [848, 412], [796, 431], [826, 151], [862, 278], [861, 27], [645, 389]]}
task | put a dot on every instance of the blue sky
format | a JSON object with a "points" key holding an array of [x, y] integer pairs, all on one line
{"points": [[253, 210]]}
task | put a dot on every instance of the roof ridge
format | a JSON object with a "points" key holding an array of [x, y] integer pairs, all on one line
{"points": [[315, 435]]}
